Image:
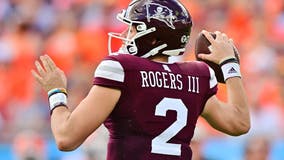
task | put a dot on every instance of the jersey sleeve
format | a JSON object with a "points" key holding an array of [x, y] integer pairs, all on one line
{"points": [[212, 89], [212, 83], [109, 73], [213, 79]]}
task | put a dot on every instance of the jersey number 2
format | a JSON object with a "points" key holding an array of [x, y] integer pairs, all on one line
{"points": [[160, 143]]}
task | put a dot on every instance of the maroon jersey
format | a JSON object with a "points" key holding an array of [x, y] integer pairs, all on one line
{"points": [[156, 114]]}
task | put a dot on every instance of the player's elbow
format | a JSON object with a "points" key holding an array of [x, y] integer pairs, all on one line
{"points": [[65, 144], [245, 127], [240, 121], [240, 132], [241, 129]]}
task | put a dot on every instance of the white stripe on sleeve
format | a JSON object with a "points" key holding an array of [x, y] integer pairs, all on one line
{"points": [[213, 80], [111, 70]]}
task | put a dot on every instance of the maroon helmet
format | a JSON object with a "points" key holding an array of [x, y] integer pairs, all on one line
{"points": [[163, 27]]}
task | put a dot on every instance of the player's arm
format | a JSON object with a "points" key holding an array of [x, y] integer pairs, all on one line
{"points": [[70, 129], [231, 117]]}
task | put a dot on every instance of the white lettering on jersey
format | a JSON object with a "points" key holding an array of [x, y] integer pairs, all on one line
{"points": [[180, 86], [152, 79], [173, 80], [160, 144], [193, 84], [111, 70], [165, 80], [161, 80], [144, 77]]}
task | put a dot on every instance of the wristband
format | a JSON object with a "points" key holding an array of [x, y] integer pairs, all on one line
{"points": [[57, 100], [56, 90], [230, 60], [231, 70]]}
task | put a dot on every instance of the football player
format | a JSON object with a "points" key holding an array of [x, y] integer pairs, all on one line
{"points": [[149, 106]]}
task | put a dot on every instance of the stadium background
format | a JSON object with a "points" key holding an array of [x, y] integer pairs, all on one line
{"points": [[74, 33]]}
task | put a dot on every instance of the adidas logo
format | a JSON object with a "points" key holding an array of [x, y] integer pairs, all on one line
{"points": [[232, 70]]}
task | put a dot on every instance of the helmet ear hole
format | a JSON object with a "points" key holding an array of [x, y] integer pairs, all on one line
{"points": [[158, 42], [146, 43], [155, 41]]}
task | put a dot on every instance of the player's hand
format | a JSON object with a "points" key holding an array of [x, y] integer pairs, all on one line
{"points": [[221, 47], [48, 75]]}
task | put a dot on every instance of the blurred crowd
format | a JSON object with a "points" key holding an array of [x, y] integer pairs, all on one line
{"points": [[74, 34]]}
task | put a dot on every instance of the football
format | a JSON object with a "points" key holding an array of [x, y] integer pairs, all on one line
{"points": [[201, 46]]}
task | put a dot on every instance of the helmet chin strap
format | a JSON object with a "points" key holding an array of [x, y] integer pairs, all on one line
{"points": [[154, 51]]}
